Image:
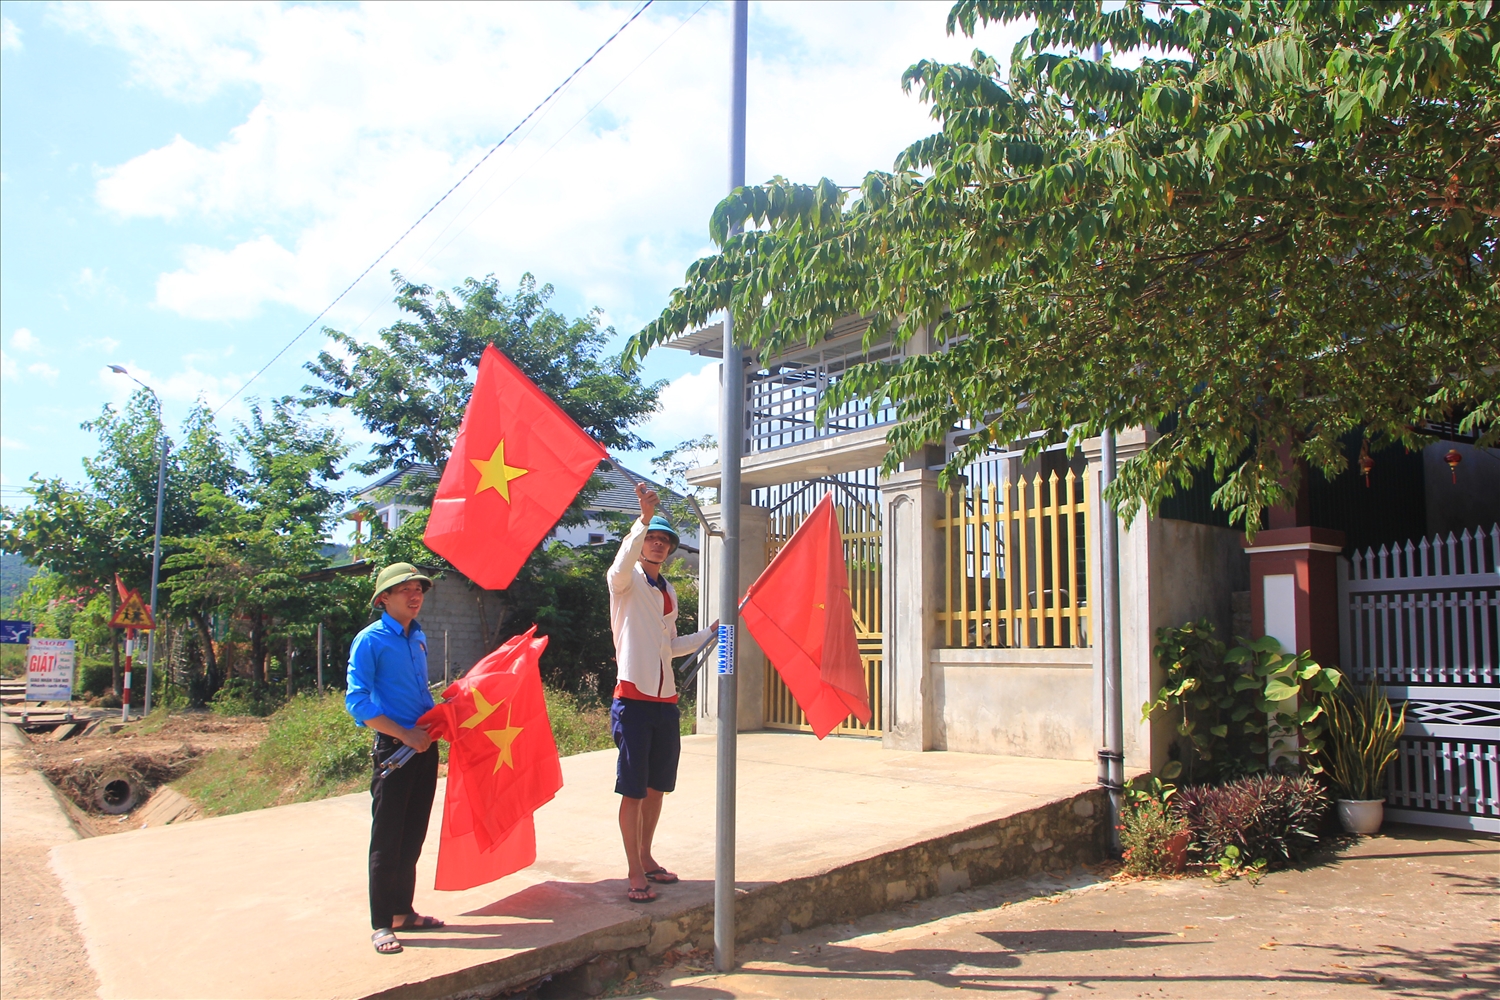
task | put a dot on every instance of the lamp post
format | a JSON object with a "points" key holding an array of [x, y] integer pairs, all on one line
{"points": [[161, 482]]}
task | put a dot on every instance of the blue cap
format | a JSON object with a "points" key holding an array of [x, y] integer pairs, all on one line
{"points": [[659, 523]]}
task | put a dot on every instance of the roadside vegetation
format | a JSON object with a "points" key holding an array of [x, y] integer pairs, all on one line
{"points": [[313, 750]]}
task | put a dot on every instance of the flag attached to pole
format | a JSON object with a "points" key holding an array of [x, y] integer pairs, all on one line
{"points": [[799, 613], [518, 462], [502, 764]]}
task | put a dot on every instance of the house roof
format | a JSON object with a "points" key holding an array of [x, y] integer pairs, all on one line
{"points": [[708, 341], [616, 496]]}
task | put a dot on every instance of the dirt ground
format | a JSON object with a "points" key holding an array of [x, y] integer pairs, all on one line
{"points": [[151, 752], [1414, 912]]}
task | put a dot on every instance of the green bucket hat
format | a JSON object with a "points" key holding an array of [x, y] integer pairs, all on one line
{"points": [[395, 575], [659, 523]]}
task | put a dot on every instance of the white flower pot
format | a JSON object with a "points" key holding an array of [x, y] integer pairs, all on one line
{"points": [[1362, 816]]}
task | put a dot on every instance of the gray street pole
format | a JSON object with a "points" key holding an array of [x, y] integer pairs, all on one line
{"points": [[1112, 756], [161, 481], [731, 449]]}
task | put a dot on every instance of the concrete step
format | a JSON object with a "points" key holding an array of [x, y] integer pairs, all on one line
{"points": [[827, 831]]}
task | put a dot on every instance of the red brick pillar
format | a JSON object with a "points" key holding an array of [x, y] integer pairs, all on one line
{"points": [[1294, 589]]}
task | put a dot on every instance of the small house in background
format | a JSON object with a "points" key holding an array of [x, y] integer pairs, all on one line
{"points": [[399, 494], [463, 621]]}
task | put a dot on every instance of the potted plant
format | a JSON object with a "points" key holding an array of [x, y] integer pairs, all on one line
{"points": [[1359, 744]]}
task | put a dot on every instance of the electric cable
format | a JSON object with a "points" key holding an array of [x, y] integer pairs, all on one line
{"points": [[386, 253]]}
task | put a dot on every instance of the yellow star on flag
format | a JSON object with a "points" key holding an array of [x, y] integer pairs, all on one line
{"points": [[494, 474], [502, 739], [482, 710]]}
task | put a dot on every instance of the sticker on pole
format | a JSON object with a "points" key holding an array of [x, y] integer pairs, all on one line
{"points": [[726, 650], [132, 613], [49, 670]]}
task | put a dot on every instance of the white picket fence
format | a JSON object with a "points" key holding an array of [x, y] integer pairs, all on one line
{"points": [[1423, 619]]}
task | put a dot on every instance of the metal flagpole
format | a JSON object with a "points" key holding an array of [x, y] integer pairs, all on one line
{"points": [[731, 446]]}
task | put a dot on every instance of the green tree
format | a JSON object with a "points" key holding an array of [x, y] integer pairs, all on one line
{"points": [[87, 533], [410, 387], [261, 533], [1278, 228]]}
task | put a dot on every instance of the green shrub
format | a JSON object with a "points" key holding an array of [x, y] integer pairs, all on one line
{"points": [[1146, 829], [1362, 732], [313, 735], [579, 725], [1269, 818], [242, 696]]}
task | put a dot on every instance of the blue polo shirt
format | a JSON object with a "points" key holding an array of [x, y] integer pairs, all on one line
{"points": [[388, 673]]}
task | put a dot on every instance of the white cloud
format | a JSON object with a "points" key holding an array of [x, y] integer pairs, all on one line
{"points": [[106, 345], [12, 444], [363, 115], [689, 409], [43, 371], [10, 35], [8, 368], [24, 340]]}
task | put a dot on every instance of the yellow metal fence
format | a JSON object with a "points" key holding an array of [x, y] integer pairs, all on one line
{"points": [[1017, 564]]}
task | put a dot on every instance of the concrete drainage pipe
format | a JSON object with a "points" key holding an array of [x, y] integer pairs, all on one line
{"points": [[117, 793]]}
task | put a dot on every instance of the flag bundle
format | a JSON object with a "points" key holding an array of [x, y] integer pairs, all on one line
{"points": [[518, 462], [502, 764], [800, 614]]}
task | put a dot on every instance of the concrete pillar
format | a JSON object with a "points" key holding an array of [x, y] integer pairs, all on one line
{"points": [[1145, 742], [1294, 589], [913, 584], [755, 527]]}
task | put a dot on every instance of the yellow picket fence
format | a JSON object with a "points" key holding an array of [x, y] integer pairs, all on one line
{"points": [[1017, 564]]}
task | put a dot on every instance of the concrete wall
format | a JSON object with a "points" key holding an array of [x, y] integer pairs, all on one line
{"points": [[470, 617], [1021, 702]]}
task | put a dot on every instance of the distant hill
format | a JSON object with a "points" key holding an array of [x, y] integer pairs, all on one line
{"points": [[15, 573]]}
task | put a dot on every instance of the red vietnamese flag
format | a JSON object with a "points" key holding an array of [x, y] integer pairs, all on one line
{"points": [[518, 462], [799, 613], [502, 764]]}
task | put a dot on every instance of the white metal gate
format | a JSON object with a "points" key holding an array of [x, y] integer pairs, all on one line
{"points": [[1424, 621]]}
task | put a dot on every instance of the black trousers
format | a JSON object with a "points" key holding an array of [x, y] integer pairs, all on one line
{"points": [[400, 805]]}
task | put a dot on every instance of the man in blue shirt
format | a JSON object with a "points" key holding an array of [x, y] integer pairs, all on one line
{"points": [[388, 692]]}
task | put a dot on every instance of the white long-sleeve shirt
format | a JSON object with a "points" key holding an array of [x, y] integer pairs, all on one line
{"points": [[646, 636]]}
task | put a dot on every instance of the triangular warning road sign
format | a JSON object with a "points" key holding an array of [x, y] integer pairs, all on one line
{"points": [[132, 613]]}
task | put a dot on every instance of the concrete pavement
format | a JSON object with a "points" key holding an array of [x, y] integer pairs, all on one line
{"points": [[1414, 912], [272, 903]]}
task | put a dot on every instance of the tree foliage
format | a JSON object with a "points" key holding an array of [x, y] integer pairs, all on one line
{"points": [[1278, 228], [410, 387]]}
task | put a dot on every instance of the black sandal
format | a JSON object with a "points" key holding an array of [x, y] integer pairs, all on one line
{"points": [[641, 895], [417, 922]]}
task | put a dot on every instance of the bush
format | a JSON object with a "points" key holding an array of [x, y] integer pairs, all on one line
{"points": [[578, 724], [1146, 829], [242, 696], [1270, 818], [313, 735]]}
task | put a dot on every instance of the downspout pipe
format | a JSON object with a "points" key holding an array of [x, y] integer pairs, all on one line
{"points": [[1112, 754]]}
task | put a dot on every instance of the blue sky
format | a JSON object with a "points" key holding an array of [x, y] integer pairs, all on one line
{"points": [[183, 187]]}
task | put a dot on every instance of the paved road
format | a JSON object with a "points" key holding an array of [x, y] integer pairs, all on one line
{"points": [[1414, 913]]}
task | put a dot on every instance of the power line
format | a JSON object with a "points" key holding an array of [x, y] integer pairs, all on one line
{"points": [[492, 150]]}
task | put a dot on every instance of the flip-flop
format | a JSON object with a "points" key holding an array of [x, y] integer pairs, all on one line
{"points": [[383, 939], [661, 876], [641, 895], [417, 922]]}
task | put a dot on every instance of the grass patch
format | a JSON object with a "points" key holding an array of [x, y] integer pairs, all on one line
{"points": [[314, 750], [578, 725]]}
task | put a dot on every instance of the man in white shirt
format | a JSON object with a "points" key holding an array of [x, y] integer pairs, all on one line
{"points": [[643, 718]]}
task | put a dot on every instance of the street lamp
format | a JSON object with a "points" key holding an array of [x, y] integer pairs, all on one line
{"points": [[161, 482]]}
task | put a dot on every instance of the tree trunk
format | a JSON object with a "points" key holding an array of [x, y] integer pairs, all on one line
{"points": [[114, 642], [258, 652], [210, 658]]}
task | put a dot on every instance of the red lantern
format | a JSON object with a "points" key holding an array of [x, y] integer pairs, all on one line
{"points": [[1366, 463], [1453, 458]]}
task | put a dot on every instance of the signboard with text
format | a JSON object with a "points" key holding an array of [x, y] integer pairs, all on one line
{"points": [[49, 670], [13, 631]]}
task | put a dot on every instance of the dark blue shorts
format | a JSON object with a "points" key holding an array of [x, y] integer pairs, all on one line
{"points": [[649, 736]]}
